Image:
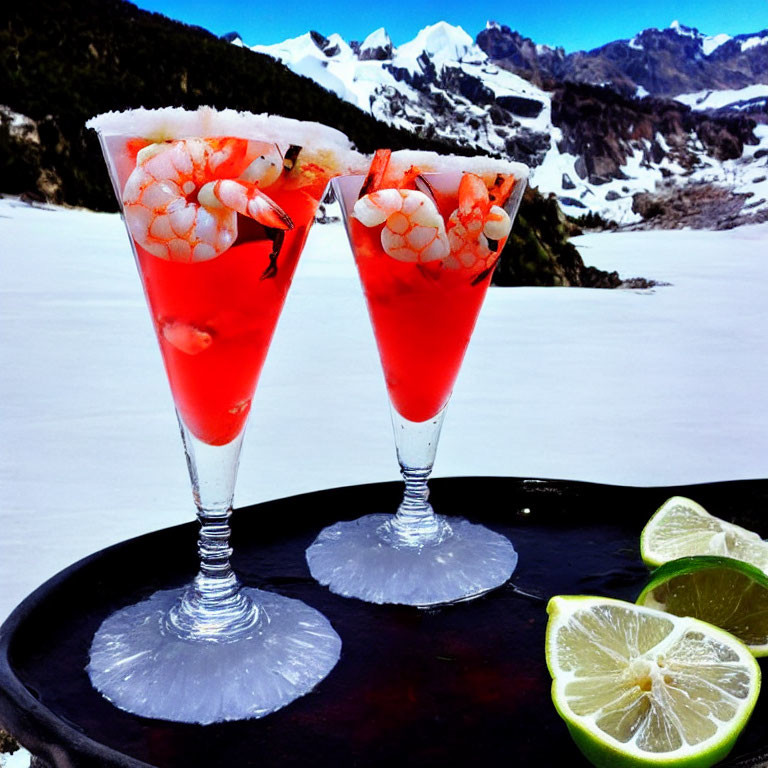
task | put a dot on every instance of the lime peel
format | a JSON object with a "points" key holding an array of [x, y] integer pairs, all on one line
{"points": [[681, 528], [638, 687]]}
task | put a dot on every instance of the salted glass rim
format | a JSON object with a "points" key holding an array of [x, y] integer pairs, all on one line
{"points": [[434, 162], [170, 123]]}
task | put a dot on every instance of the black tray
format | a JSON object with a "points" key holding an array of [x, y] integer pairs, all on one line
{"points": [[460, 685]]}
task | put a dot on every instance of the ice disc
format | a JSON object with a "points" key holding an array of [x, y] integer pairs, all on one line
{"points": [[353, 560], [145, 669]]}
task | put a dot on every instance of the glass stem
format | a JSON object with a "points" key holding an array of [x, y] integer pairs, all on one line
{"points": [[415, 523], [213, 606]]}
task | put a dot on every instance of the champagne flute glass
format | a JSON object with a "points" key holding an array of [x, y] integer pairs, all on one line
{"points": [[217, 206], [426, 232]]}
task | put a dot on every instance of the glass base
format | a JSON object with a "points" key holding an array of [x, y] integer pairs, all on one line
{"points": [[144, 668], [354, 559]]}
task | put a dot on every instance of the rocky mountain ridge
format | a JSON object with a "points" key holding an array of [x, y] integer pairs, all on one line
{"points": [[594, 145], [660, 62]]}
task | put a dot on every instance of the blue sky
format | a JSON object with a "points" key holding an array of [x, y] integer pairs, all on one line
{"points": [[569, 23]]}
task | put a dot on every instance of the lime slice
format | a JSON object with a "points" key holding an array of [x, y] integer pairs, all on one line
{"points": [[728, 593], [683, 528], [638, 687]]}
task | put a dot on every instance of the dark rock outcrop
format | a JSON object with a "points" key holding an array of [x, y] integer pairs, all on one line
{"points": [[528, 146], [32, 148], [323, 43], [698, 206], [520, 106], [472, 88], [419, 80], [539, 64], [8, 745], [603, 128]]}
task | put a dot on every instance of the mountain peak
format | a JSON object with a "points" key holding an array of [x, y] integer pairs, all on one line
{"points": [[441, 37], [708, 43], [377, 46], [684, 31], [441, 42]]}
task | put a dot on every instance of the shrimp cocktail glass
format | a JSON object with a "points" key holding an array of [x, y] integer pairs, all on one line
{"points": [[426, 231], [218, 206]]}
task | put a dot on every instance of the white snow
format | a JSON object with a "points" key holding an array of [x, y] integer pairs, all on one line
{"points": [[627, 387], [753, 42], [345, 51], [361, 83], [701, 100], [19, 759], [293, 49], [713, 42], [317, 70]]}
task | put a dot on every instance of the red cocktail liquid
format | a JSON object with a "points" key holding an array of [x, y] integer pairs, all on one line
{"points": [[423, 316], [215, 319]]}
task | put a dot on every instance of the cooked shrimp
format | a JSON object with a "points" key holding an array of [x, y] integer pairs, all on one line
{"points": [[182, 199], [413, 227], [473, 223]]}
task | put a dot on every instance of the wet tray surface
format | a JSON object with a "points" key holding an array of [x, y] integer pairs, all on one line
{"points": [[460, 685]]}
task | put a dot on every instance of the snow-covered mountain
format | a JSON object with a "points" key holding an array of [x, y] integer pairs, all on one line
{"points": [[596, 148], [439, 84]]}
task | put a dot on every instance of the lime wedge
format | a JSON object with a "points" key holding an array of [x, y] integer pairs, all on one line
{"points": [[638, 687], [728, 593], [683, 528]]}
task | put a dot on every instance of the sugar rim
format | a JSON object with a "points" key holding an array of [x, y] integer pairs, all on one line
{"points": [[432, 162], [179, 123]]}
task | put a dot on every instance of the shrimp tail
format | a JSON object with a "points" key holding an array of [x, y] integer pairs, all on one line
{"points": [[474, 202], [376, 172], [247, 199]]}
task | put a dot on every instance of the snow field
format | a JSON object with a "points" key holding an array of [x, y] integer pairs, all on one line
{"points": [[628, 387]]}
